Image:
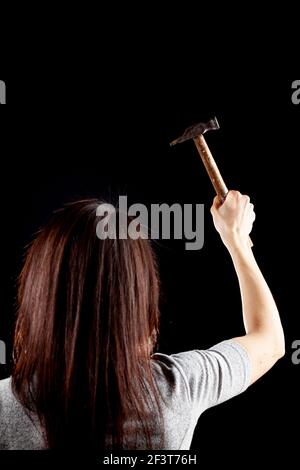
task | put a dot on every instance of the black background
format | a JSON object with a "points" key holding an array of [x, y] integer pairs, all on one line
{"points": [[103, 133]]}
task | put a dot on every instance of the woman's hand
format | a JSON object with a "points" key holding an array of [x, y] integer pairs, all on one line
{"points": [[234, 218]]}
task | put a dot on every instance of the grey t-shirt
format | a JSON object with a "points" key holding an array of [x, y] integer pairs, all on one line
{"points": [[189, 383]]}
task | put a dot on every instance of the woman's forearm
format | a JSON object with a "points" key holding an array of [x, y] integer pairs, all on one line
{"points": [[259, 309], [264, 334]]}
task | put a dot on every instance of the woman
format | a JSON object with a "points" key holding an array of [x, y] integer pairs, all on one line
{"points": [[85, 373]]}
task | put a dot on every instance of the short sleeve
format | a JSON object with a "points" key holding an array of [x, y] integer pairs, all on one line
{"points": [[214, 375]]}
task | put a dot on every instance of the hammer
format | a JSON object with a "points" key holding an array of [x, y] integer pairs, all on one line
{"points": [[196, 133]]}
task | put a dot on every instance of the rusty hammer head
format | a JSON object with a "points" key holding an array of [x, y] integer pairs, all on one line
{"points": [[198, 129]]}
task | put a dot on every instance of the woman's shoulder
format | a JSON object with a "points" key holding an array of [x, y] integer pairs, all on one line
{"points": [[5, 390], [17, 429], [5, 383], [8, 402]]}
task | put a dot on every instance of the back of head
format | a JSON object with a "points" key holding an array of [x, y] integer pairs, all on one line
{"points": [[87, 311]]}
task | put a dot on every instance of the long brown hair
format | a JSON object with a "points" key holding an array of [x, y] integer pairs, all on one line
{"points": [[87, 310]]}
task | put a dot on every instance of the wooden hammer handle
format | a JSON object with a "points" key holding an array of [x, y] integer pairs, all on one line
{"points": [[212, 170], [211, 167]]}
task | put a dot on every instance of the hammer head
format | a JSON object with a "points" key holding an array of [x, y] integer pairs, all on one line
{"points": [[198, 129]]}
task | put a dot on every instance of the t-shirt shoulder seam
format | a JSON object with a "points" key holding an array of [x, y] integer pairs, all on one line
{"points": [[244, 355], [181, 371]]}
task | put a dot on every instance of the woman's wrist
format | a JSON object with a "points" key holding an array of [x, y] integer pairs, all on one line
{"points": [[238, 245]]}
